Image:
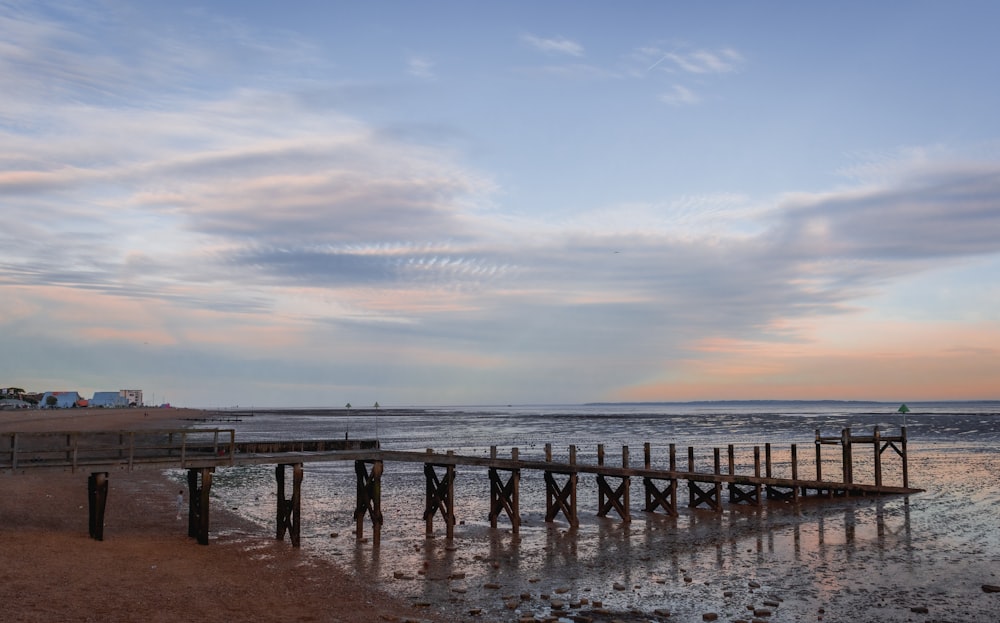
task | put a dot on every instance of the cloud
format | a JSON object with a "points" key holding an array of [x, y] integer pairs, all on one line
{"points": [[680, 96], [722, 61], [420, 67], [555, 45], [226, 211]]}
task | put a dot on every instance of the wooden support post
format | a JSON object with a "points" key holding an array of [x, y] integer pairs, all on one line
{"points": [[646, 456], [561, 498], [289, 511], [198, 516], [877, 438], [614, 498], [756, 473], [504, 496], [906, 471], [369, 500], [848, 461], [692, 487], [795, 472], [819, 458], [603, 490], [440, 497], [711, 495], [667, 497], [97, 497], [732, 460], [718, 485], [657, 498]]}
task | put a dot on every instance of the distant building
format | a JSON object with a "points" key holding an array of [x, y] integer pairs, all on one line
{"points": [[63, 400], [109, 400], [133, 397]]}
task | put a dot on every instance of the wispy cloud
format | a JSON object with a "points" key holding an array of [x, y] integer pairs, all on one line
{"points": [[721, 61], [420, 67], [554, 45], [680, 95]]}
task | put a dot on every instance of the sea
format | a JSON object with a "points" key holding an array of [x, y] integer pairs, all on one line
{"points": [[928, 556]]}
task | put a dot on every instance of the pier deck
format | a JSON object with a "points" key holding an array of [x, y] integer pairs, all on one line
{"points": [[201, 451]]}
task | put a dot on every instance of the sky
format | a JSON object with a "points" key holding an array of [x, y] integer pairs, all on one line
{"points": [[451, 203]]}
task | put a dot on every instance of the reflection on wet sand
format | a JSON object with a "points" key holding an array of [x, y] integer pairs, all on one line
{"points": [[836, 559]]}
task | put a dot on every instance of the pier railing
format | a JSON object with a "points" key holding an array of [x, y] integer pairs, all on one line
{"points": [[126, 449]]}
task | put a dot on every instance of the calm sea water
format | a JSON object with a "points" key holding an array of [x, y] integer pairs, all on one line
{"points": [[838, 556]]}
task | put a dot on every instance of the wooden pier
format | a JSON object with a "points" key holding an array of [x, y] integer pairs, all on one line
{"points": [[201, 451]]}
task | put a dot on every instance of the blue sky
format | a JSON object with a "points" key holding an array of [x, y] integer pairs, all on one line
{"points": [[258, 203]]}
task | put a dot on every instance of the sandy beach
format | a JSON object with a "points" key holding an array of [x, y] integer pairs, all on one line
{"points": [[147, 568]]}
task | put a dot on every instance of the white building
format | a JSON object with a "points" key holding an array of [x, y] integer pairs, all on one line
{"points": [[133, 397]]}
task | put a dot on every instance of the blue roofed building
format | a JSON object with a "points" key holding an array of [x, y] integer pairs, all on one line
{"points": [[63, 400], [109, 400]]}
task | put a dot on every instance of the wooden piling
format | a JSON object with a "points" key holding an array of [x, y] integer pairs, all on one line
{"points": [[97, 498], [440, 496], [504, 495], [289, 511], [876, 435], [198, 501], [561, 497], [369, 500], [846, 452]]}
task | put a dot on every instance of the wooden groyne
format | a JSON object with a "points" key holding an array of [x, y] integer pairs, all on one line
{"points": [[201, 451]]}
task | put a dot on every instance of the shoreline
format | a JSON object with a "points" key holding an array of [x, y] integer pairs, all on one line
{"points": [[147, 568]]}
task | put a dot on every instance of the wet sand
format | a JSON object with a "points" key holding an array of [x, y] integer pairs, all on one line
{"points": [[923, 558], [147, 568]]}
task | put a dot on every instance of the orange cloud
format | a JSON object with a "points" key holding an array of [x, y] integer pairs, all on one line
{"points": [[842, 359]]}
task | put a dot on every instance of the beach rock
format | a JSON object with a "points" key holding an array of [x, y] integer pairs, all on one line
{"points": [[771, 604], [753, 584], [727, 593], [491, 585], [919, 609], [525, 596], [456, 576], [561, 590], [709, 616], [512, 604], [557, 604], [761, 612], [662, 612], [476, 611], [991, 588], [618, 586]]}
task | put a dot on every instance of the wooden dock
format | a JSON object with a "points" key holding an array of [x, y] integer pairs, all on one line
{"points": [[201, 451]]}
